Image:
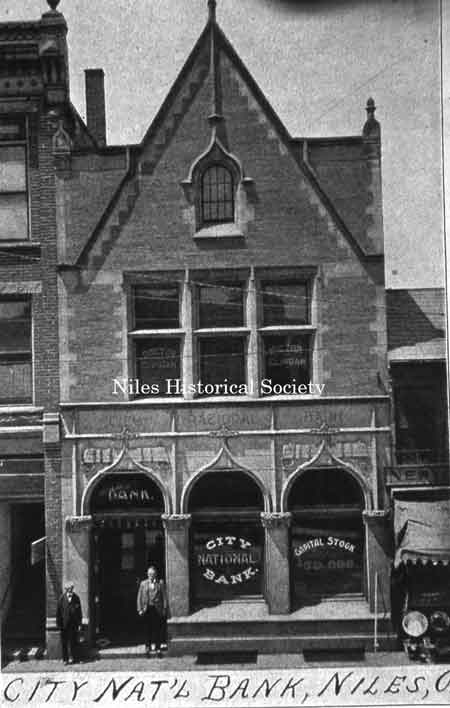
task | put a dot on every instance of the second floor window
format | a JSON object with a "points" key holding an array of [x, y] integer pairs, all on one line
{"points": [[420, 412], [221, 335], [222, 330], [15, 351], [286, 332], [13, 181], [156, 335]]}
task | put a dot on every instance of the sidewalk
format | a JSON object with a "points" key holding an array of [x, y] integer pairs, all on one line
{"points": [[190, 663]]}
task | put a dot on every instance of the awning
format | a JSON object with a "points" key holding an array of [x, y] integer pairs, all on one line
{"points": [[422, 532]]}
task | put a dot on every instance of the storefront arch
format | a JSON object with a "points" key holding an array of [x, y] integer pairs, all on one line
{"points": [[227, 537], [118, 469], [328, 546], [337, 464], [222, 464], [126, 507]]}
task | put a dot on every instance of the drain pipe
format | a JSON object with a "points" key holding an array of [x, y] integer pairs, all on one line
{"points": [[375, 623]]}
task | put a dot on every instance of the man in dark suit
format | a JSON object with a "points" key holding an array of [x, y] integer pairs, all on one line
{"points": [[69, 618]]}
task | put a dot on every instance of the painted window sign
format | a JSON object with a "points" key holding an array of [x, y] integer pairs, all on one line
{"points": [[287, 357], [126, 492], [226, 564], [229, 560], [326, 563]]}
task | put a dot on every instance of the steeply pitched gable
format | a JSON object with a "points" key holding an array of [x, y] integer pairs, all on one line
{"points": [[207, 66]]}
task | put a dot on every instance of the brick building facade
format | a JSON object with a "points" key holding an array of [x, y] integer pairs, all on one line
{"points": [[219, 250], [33, 85], [222, 250]]}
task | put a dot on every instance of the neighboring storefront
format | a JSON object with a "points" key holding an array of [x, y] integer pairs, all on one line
{"points": [[418, 480], [22, 532]]}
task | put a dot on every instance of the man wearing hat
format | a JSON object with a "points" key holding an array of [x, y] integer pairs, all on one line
{"points": [[69, 618]]}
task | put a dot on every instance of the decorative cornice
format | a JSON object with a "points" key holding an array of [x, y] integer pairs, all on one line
{"points": [[224, 432], [176, 522], [276, 519], [78, 524]]}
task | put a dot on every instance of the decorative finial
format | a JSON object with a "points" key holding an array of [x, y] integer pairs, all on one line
{"points": [[53, 4], [371, 108], [212, 10], [371, 127]]}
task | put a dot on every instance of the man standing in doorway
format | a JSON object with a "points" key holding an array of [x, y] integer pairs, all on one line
{"points": [[152, 605], [69, 618]]}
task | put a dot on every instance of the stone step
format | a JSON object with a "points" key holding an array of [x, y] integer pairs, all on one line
{"points": [[275, 627], [330, 624], [124, 652], [271, 644]]}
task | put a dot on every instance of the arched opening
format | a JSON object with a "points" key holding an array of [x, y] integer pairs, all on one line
{"points": [[127, 537], [327, 536], [227, 540], [217, 195]]}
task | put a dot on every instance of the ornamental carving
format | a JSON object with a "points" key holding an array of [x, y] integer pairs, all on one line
{"points": [[275, 519], [61, 141], [176, 522], [78, 524], [374, 516]]}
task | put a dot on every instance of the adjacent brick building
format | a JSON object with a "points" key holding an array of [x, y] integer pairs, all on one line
{"points": [[33, 87], [34, 105], [210, 363]]}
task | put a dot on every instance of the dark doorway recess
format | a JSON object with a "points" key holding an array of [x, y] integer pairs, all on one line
{"points": [[128, 537], [26, 615]]}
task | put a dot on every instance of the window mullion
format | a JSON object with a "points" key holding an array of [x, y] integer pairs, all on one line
{"points": [[187, 367], [253, 373]]}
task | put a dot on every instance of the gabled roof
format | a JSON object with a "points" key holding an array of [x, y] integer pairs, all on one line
{"points": [[416, 324], [203, 45]]}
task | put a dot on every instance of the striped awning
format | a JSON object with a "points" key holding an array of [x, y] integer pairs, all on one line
{"points": [[424, 536]]}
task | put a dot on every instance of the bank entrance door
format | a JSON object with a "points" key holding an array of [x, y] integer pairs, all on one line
{"points": [[127, 537], [327, 537]]}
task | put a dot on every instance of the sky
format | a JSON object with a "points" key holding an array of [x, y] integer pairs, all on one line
{"points": [[317, 62]]}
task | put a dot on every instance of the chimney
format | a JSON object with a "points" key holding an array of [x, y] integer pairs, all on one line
{"points": [[95, 104]]}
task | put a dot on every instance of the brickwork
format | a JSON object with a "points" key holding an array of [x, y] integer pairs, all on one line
{"points": [[29, 268], [154, 235]]}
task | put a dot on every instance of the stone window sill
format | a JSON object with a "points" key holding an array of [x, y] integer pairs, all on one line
{"points": [[229, 230]]}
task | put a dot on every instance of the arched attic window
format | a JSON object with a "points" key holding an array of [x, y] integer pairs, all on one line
{"points": [[217, 195]]}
